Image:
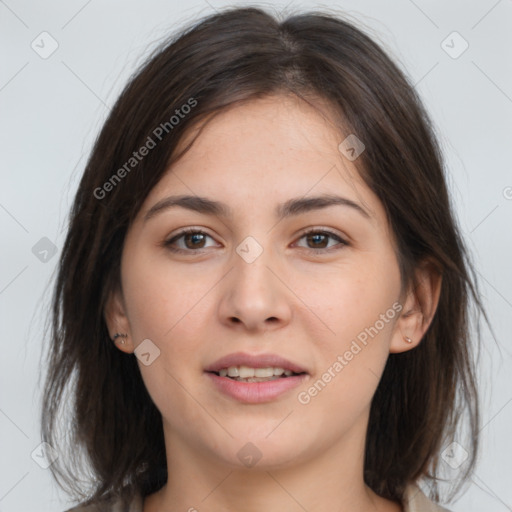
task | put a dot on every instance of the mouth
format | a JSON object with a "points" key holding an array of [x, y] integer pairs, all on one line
{"points": [[255, 379]]}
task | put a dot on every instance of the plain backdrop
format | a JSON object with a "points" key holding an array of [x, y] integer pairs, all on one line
{"points": [[63, 63]]}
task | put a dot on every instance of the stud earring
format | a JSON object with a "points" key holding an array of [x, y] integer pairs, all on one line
{"points": [[407, 339], [120, 335]]}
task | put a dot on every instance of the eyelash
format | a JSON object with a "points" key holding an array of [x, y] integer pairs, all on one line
{"points": [[316, 231]]}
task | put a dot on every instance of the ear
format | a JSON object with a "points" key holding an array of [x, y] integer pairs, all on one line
{"points": [[117, 321], [419, 307]]}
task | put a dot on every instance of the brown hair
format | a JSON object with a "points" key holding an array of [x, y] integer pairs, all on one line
{"points": [[230, 57]]}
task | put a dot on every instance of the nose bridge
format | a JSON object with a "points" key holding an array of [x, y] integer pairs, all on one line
{"points": [[252, 294], [251, 262]]}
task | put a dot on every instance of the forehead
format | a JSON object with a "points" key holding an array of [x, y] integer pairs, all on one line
{"points": [[267, 149], [282, 126]]}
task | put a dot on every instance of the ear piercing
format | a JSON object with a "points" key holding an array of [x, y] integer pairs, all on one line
{"points": [[120, 335]]}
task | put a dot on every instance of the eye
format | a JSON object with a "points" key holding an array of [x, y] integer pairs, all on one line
{"points": [[192, 239], [319, 239]]}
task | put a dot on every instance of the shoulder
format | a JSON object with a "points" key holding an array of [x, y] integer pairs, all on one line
{"points": [[415, 500], [113, 505]]}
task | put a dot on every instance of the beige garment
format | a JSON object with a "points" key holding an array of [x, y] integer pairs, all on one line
{"points": [[414, 501]]}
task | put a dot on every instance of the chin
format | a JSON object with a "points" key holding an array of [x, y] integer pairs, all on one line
{"points": [[258, 452]]}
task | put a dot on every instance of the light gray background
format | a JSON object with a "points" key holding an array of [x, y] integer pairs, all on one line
{"points": [[51, 110]]}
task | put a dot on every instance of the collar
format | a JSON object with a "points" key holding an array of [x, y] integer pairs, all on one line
{"points": [[414, 500]]}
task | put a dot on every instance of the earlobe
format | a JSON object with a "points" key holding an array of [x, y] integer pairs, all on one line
{"points": [[117, 322], [419, 308]]}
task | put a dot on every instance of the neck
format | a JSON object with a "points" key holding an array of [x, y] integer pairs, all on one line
{"points": [[332, 479]]}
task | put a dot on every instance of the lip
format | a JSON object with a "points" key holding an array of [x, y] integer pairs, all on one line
{"points": [[255, 392], [254, 361]]}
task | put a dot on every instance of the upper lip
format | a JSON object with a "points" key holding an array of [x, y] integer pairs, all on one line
{"points": [[254, 361]]}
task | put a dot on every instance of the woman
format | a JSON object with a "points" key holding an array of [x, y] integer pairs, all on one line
{"points": [[263, 297]]}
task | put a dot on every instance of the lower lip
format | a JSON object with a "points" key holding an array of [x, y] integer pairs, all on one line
{"points": [[255, 392]]}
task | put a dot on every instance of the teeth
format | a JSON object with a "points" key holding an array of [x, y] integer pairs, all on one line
{"points": [[245, 372], [256, 379], [233, 371]]}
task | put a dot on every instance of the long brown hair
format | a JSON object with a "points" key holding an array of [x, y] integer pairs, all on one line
{"points": [[114, 430]]}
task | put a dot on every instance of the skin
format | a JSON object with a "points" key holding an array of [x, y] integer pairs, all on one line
{"points": [[297, 300]]}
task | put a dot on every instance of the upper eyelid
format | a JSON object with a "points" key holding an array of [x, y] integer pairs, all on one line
{"points": [[323, 231]]}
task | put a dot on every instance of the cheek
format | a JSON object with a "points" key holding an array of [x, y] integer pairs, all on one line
{"points": [[168, 310], [352, 299], [161, 302], [352, 360], [363, 318]]}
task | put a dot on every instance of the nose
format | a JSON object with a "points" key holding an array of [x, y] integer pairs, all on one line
{"points": [[254, 295]]}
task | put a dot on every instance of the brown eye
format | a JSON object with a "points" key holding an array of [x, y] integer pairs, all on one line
{"points": [[319, 240], [188, 240]]}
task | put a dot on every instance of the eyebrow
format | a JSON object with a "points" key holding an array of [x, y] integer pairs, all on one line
{"points": [[289, 208]]}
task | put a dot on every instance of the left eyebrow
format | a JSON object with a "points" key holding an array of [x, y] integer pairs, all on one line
{"points": [[306, 204], [289, 208]]}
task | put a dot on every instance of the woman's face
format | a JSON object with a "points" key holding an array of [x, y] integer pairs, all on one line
{"points": [[248, 279]]}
